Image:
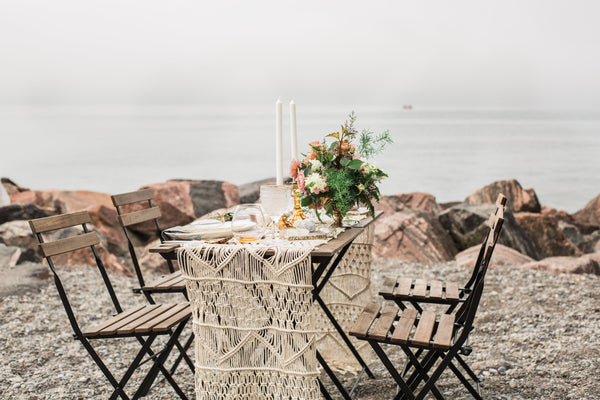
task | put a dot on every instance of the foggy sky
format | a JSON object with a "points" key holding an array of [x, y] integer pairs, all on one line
{"points": [[428, 53]]}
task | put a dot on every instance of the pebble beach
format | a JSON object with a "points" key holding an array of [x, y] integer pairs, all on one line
{"points": [[536, 337]]}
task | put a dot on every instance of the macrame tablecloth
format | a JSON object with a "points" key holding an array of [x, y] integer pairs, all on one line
{"points": [[252, 321], [346, 293]]}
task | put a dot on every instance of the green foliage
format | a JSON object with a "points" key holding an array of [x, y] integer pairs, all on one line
{"points": [[370, 145], [337, 176]]}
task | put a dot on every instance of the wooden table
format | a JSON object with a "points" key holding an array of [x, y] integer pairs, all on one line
{"points": [[325, 258]]}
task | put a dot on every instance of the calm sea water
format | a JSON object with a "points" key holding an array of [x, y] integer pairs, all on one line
{"points": [[447, 152]]}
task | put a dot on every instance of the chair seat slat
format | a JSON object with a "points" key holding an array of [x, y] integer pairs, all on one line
{"points": [[113, 328], [159, 320], [96, 329], [445, 329], [420, 289], [452, 291], [173, 320], [383, 324], [164, 281], [435, 289], [404, 285], [142, 319], [404, 326], [388, 287], [72, 243], [364, 320], [424, 329]]}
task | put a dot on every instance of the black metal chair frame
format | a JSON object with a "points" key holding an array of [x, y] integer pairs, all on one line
{"points": [[463, 325], [90, 239], [464, 290], [154, 213]]}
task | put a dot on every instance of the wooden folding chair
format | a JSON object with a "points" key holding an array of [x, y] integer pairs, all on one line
{"points": [[409, 291], [144, 323], [443, 337], [170, 283]]}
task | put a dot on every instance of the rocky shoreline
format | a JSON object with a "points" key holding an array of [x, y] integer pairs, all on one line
{"points": [[413, 228]]}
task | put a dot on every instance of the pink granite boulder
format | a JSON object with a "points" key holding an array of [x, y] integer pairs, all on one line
{"points": [[519, 199], [547, 238], [590, 214], [412, 236], [502, 256], [587, 264]]}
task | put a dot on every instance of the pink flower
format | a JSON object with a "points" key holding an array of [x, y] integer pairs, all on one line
{"points": [[311, 156], [301, 180], [315, 143], [294, 168]]}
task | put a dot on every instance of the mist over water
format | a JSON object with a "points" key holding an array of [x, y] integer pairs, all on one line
{"points": [[446, 152]]}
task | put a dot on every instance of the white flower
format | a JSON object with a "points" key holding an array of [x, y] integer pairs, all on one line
{"points": [[368, 167], [316, 165], [316, 183]]}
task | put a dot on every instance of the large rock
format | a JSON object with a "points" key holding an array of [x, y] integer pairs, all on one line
{"points": [[4, 197], [590, 214], [250, 192], [587, 264], [152, 262], [211, 195], [10, 187], [14, 212], [182, 201], [416, 200], [519, 199], [584, 242], [176, 207], [548, 239], [18, 234], [412, 236], [503, 256], [467, 226]]}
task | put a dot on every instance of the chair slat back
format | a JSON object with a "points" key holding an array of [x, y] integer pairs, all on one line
{"points": [[51, 248], [66, 245], [127, 219], [137, 217], [56, 222], [132, 197]]}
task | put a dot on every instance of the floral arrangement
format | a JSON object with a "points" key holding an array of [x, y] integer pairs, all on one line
{"points": [[337, 176]]}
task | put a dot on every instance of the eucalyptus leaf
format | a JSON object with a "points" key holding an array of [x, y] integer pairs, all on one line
{"points": [[355, 164]]}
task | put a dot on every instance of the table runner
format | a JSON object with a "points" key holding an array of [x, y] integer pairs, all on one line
{"points": [[252, 321]]}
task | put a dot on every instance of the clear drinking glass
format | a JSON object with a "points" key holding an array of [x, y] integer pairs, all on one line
{"points": [[248, 223], [276, 200]]}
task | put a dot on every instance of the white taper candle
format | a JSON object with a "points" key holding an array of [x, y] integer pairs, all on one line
{"points": [[294, 133], [279, 141]]}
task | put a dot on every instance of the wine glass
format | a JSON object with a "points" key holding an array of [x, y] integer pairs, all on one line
{"points": [[276, 200], [248, 223]]}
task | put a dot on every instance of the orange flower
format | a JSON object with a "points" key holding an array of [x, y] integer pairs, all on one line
{"points": [[311, 156]]}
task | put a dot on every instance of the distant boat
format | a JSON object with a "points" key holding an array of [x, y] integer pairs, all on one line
{"points": [[407, 107]]}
